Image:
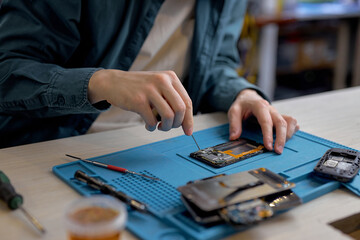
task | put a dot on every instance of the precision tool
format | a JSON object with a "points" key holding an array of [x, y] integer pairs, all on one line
{"points": [[158, 118], [192, 135], [15, 200], [112, 167], [107, 189]]}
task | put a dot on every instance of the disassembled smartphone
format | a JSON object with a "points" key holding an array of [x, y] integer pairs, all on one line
{"points": [[247, 213], [239, 199], [228, 153], [339, 164]]}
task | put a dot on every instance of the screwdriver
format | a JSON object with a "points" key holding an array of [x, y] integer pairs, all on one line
{"points": [[15, 200], [158, 118], [195, 142], [112, 167], [107, 189]]}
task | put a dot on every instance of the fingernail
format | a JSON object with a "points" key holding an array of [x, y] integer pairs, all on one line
{"points": [[280, 148], [150, 128], [269, 145], [233, 132], [189, 131]]}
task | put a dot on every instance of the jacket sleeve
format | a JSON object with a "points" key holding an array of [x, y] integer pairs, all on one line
{"points": [[223, 76], [37, 38]]}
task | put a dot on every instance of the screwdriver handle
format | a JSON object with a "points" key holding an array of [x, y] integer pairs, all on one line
{"points": [[119, 169], [8, 193]]}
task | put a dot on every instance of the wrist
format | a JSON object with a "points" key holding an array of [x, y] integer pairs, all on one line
{"points": [[97, 85], [251, 95], [247, 92]]}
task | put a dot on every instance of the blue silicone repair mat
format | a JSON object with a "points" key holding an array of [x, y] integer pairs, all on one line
{"points": [[169, 161]]}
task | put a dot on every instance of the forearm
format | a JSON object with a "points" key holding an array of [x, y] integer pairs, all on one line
{"points": [[30, 88], [37, 40]]}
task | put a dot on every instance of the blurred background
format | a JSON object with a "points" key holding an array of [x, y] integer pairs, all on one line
{"points": [[292, 48]]}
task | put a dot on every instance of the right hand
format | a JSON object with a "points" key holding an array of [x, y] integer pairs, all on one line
{"points": [[145, 92]]}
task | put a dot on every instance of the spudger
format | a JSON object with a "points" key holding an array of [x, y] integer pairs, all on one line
{"points": [[112, 167]]}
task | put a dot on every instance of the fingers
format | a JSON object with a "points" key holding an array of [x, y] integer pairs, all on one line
{"points": [[173, 103], [265, 121], [287, 126], [247, 103], [235, 121], [141, 92], [150, 119], [250, 103], [281, 130], [187, 121], [292, 126], [164, 110]]}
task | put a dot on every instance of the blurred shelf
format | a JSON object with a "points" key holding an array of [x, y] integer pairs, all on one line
{"points": [[336, 15], [287, 71], [311, 11]]}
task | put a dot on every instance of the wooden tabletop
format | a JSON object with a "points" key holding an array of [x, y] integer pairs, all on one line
{"points": [[331, 115]]}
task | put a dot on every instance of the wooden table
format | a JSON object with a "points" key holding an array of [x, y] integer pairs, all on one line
{"points": [[332, 115]]}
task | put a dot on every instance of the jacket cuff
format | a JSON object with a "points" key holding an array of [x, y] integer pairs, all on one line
{"points": [[68, 91]]}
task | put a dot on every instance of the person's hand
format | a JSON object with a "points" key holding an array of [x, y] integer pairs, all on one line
{"points": [[248, 103], [145, 93]]}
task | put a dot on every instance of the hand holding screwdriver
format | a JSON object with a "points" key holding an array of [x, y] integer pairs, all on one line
{"points": [[15, 200], [158, 118]]}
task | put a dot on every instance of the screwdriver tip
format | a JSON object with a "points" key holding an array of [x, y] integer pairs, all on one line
{"points": [[33, 220], [143, 175], [195, 141], [152, 178]]}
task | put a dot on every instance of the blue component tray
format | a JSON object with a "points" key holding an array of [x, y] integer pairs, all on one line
{"points": [[169, 160]]}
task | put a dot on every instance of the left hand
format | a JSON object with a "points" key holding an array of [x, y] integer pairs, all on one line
{"points": [[248, 103]]}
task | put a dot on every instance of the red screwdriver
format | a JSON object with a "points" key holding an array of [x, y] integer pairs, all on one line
{"points": [[112, 167]]}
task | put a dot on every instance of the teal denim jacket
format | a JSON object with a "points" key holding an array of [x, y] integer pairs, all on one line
{"points": [[50, 49]]}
